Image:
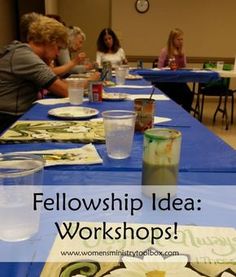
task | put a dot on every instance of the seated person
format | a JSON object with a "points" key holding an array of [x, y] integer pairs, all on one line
{"points": [[109, 49], [76, 37], [25, 22], [24, 68], [179, 92]]}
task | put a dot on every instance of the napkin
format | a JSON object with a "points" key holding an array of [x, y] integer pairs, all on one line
{"points": [[159, 119], [131, 86], [201, 71], [54, 101], [84, 155], [154, 96]]}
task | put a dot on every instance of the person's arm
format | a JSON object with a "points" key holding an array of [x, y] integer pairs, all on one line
{"points": [[123, 56], [78, 69], [63, 69], [162, 58], [59, 88], [99, 58], [66, 64]]}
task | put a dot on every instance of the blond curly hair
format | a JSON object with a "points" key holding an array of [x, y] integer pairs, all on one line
{"points": [[48, 30], [73, 32]]}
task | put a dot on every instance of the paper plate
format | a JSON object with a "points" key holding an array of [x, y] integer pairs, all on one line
{"points": [[114, 96], [133, 77], [73, 112]]}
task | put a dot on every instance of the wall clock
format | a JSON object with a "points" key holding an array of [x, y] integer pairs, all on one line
{"points": [[142, 6]]}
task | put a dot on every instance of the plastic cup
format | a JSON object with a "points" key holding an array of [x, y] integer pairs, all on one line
{"points": [[126, 66], [145, 109], [76, 90], [220, 65], [120, 75], [20, 177], [119, 132], [161, 157]]}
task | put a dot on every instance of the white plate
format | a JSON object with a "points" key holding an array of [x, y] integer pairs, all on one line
{"points": [[73, 112], [133, 77], [114, 96]]}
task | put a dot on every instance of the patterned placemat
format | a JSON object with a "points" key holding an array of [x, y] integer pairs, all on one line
{"points": [[198, 251], [59, 131]]}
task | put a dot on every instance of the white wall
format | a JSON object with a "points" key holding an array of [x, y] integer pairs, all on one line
{"points": [[90, 15], [51, 6], [209, 26]]}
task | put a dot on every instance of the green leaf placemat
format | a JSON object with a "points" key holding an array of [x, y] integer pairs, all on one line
{"points": [[206, 250], [59, 131]]}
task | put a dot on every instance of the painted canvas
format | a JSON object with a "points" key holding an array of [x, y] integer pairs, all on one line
{"points": [[60, 131], [199, 251]]}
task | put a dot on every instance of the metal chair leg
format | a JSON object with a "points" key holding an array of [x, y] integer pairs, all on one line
{"points": [[218, 109], [196, 110], [222, 110], [225, 112], [201, 109]]}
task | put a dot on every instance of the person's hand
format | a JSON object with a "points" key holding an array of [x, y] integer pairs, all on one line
{"points": [[79, 58], [91, 65], [95, 76], [51, 64], [125, 61], [82, 56], [87, 64]]}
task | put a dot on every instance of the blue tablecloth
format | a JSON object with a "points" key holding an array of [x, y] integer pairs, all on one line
{"points": [[182, 76], [201, 149]]}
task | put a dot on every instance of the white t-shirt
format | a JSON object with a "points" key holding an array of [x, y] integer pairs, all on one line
{"points": [[114, 58]]}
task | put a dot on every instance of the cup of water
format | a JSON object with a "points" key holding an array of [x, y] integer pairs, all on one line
{"points": [[126, 66], [120, 75], [119, 132], [20, 177], [76, 90]]}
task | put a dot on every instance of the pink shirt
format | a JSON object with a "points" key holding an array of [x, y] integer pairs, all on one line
{"points": [[164, 59]]}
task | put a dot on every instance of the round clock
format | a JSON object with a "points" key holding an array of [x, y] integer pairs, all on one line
{"points": [[142, 6]]}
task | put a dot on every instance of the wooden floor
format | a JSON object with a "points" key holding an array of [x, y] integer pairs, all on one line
{"points": [[229, 136]]}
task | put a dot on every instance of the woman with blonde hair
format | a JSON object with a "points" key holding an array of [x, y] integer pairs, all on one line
{"points": [[76, 38], [174, 50], [25, 21], [72, 59], [174, 53], [24, 68]]}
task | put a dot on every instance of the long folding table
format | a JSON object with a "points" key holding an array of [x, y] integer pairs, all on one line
{"points": [[205, 160]]}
